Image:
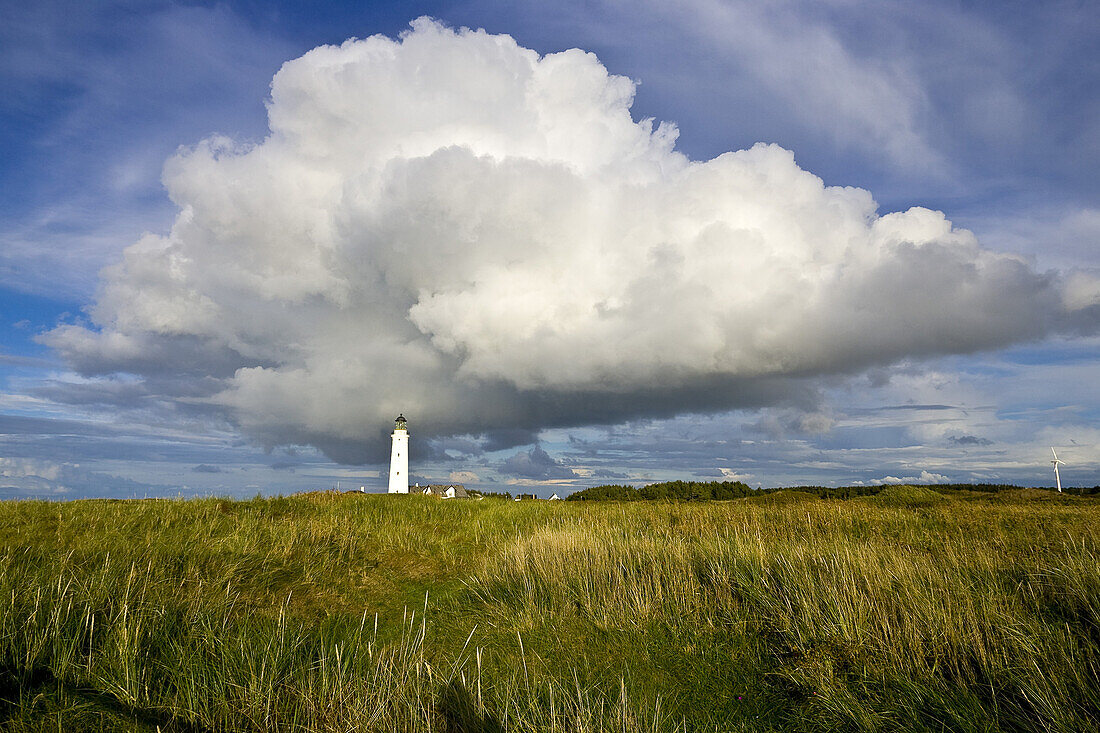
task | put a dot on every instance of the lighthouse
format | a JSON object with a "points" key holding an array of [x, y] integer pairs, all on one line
{"points": [[399, 458]]}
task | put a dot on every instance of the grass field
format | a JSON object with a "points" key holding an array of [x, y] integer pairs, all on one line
{"points": [[908, 610]]}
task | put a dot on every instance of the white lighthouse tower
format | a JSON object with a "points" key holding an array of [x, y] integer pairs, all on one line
{"points": [[399, 458]]}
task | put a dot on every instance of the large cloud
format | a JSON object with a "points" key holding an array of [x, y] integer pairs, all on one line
{"points": [[452, 226]]}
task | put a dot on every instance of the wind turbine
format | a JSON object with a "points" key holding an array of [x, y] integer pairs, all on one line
{"points": [[1055, 462]]}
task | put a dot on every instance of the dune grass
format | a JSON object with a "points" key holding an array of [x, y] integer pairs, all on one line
{"points": [[909, 610]]}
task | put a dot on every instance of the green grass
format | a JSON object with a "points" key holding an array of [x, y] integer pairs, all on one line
{"points": [[908, 610]]}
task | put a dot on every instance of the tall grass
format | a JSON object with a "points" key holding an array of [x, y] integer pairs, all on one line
{"points": [[325, 613], [968, 617], [223, 616]]}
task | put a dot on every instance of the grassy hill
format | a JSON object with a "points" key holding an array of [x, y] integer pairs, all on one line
{"points": [[900, 611]]}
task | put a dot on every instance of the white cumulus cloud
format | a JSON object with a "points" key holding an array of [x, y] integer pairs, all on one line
{"points": [[926, 477], [454, 227]]}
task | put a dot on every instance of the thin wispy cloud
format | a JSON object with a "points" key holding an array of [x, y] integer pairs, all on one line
{"points": [[107, 94]]}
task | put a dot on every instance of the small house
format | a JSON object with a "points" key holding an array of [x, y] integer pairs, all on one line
{"points": [[444, 491]]}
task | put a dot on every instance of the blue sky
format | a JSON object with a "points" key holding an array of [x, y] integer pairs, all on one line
{"points": [[986, 112]]}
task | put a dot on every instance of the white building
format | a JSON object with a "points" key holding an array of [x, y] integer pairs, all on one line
{"points": [[399, 457], [444, 491]]}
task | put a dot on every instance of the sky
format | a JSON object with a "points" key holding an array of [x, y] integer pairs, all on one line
{"points": [[575, 243]]}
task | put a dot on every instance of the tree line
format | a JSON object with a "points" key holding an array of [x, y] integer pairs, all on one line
{"points": [[719, 490], [667, 490]]}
